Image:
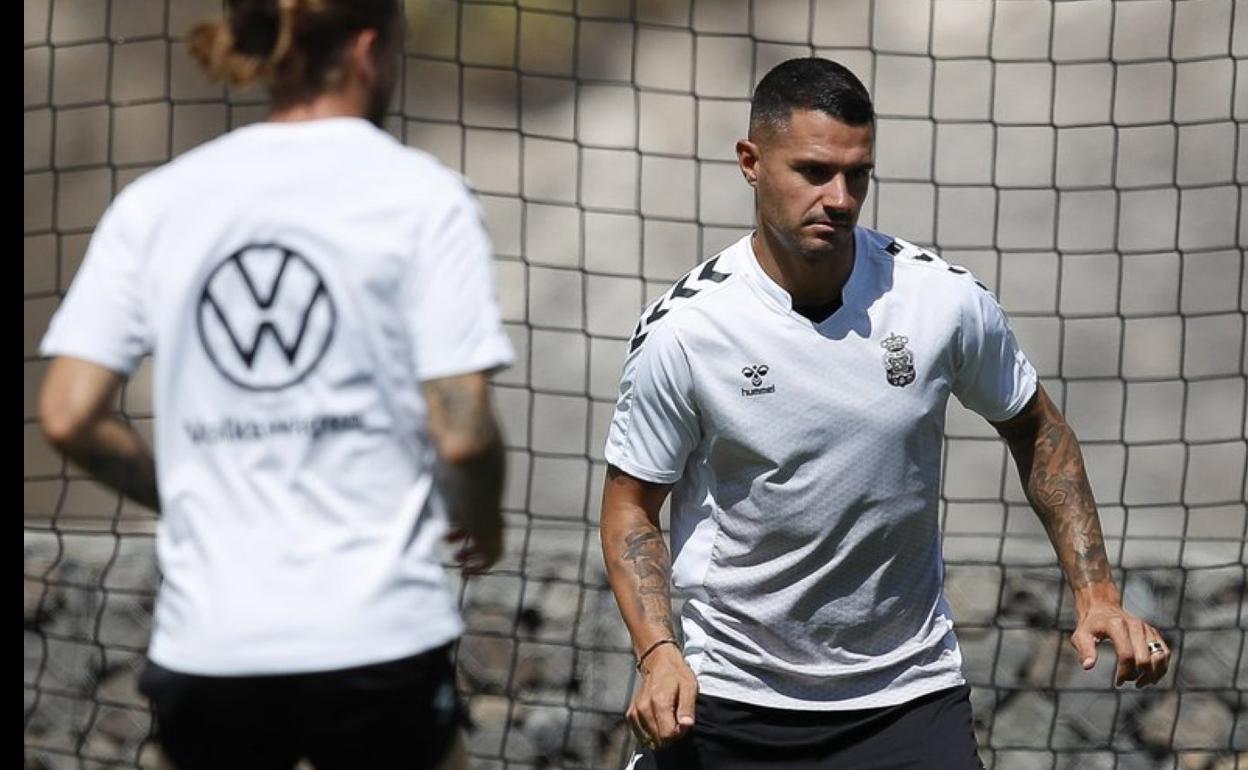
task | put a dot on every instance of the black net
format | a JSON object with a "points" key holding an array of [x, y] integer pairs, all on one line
{"points": [[1085, 158]]}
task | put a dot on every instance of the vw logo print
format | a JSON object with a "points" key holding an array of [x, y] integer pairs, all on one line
{"points": [[265, 317]]}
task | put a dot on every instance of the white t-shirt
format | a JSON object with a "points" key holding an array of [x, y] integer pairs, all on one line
{"points": [[296, 282], [806, 464]]}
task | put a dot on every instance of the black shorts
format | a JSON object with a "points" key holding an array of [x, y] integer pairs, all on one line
{"points": [[401, 714], [933, 732]]}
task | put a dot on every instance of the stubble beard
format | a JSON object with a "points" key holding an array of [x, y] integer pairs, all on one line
{"points": [[820, 250]]}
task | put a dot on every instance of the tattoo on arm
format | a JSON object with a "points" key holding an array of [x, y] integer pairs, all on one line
{"points": [[462, 409], [76, 413], [643, 548], [113, 453], [471, 473], [1061, 495], [1056, 483]]}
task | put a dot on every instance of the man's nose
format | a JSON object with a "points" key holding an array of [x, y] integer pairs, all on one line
{"points": [[836, 194]]}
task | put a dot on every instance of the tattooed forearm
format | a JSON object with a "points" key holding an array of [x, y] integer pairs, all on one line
{"points": [[1058, 490], [1055, 480], [651, 573], [471, 451], [459, 411], [113, 453], [639, 565]]}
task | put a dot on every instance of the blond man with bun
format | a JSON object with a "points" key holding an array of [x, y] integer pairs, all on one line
{"points": [[319, 304]]}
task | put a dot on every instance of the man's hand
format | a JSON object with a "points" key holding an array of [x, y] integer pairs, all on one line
{"points": [[662, 708], [477, 552], [1131, 638], [1050, 465]]}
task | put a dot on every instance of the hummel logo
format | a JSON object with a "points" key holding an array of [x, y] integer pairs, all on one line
{"points": [[755, 375]]}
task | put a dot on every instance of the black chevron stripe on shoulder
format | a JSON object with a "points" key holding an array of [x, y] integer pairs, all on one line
{"points": [[709, 273], [680, 291], [686, 288], [908, 250]]}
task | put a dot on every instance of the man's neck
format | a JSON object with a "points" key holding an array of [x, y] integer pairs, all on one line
{"points": [[331, 104], [810, 281]]}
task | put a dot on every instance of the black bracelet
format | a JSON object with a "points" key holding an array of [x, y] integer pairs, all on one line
{"points": [[654, 647]]}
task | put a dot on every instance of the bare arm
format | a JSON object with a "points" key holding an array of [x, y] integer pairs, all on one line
{"points": [[76, 416], [639, 568], [471, 472], [1050, 465]]}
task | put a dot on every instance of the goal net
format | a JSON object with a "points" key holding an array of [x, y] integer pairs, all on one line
{"points": [[1084, 158]]}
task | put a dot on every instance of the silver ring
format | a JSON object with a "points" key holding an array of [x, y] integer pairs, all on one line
{"points": [[1155, 647]]}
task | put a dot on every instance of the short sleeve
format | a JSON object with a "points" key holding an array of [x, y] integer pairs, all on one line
{"points": [[994, 377], [102, 318], [450, 294], [655, 425]]}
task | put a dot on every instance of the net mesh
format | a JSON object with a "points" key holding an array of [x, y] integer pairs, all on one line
{"points": [[1085, 158]]}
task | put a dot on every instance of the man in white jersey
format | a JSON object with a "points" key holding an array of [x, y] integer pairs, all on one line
{"points": [[790, 395], [319, 303]]}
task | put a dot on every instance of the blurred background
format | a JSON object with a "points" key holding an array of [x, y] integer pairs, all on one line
{"points": [[1084, 158]]}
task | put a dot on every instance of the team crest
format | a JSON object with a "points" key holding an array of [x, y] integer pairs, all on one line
{"points": [[898, 361]]}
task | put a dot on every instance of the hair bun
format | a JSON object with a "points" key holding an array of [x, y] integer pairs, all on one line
{"points": [[255, 25]]}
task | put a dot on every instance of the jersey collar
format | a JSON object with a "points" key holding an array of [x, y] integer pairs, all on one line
{"points": [[776, 296]]}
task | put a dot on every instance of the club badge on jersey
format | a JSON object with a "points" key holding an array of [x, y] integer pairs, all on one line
{"points": [[898, 360]]}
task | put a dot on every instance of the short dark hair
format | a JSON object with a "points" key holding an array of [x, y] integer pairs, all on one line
{"points": [[809, 83]]}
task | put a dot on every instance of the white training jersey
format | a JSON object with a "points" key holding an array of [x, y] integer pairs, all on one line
{"points": [[296, 282], [806, 462]]}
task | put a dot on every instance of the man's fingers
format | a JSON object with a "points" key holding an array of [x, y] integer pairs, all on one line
{"points": [[1160, 661], [1144, 661], [475, 557], [1142, 654], [476, 564], [663, 705], [634, 722], [1085, 647], [466, 558], [1165, 659], [1120, 636], [686, 697], [645, 717], [469, 559]]}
